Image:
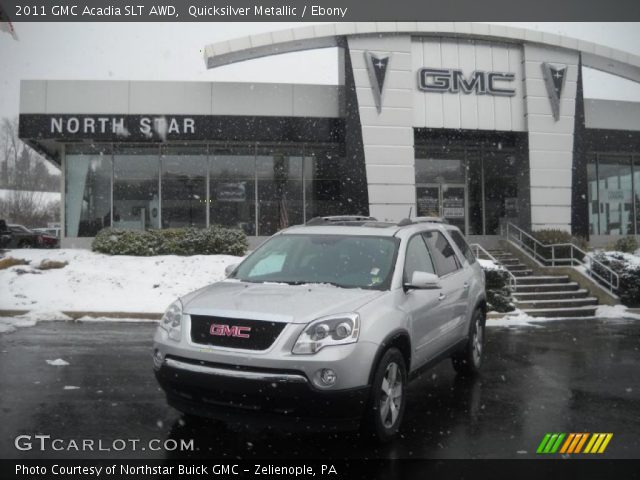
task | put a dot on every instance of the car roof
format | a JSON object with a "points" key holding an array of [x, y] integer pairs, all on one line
{"points": [[368, 228]]}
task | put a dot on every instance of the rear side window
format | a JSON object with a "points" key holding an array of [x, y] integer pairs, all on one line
{"points": [[417, 258], [444, 256], [462, 245]]}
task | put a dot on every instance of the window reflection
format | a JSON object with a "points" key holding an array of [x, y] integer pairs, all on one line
{"points": [[232, 189], [184, 191], [280, 195], [259, 189], [612, 202], [136, 201], [87, 192]]}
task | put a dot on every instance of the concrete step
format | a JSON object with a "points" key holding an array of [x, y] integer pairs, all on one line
{"points": [[528, 296], [557, 303], [508, 261], [516, 266], [588, 311], [545, 279], [547, 287], [522, 273]]}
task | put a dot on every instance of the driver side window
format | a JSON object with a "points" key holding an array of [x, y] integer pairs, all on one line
{"points": [[417, 259]]}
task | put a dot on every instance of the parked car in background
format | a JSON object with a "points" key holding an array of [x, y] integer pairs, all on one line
{"points": [[5, 234], [50, 237], [54, 232], [22, 237]]}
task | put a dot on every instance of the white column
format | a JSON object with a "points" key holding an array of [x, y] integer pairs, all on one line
{"points": [[387, 136], [550, 141]]}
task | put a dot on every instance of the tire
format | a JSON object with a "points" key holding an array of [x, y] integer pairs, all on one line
{"points": [[24, 244], [387, 403], [468, 361]]}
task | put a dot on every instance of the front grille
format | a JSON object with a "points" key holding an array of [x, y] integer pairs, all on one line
{"points": [[234, 332]]}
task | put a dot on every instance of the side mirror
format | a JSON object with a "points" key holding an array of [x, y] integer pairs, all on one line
{"points": [[230, 268], [423, 281]]}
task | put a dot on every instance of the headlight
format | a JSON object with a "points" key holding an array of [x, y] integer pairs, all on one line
{"points": [[332, 330], [171, 321]]}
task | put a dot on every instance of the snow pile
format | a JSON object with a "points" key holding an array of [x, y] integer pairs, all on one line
{"points": [[58, 362], [489, 264], [95, 282], [615, 311], [516, 318]]}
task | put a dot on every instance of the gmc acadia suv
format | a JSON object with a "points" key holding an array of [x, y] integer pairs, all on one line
{"points": [[325, 323]]}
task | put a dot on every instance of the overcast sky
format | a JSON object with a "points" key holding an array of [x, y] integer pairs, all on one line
{"points": [[173, 51]]}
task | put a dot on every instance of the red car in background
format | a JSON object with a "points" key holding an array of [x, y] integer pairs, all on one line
{"points": [[22, 237], [49, 237]]}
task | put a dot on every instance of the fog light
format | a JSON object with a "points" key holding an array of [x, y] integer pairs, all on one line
{"points": [[328, 376], [158, 358]]}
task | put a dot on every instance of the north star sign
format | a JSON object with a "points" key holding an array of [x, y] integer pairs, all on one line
{"points": [[443, 80], [116, 125]]}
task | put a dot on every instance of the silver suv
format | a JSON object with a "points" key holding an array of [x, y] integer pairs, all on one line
{"points": [[324, 324]]}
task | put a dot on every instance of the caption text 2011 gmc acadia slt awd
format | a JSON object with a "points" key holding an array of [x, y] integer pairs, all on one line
{"points": [[325, 323]]}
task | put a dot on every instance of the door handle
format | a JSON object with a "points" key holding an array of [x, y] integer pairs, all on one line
{"points": [[466, 285], [442, 296]]}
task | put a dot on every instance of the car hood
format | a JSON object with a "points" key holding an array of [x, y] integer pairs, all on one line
{"points": [[275, 302]]}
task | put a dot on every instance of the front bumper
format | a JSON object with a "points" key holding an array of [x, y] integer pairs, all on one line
{"points": [[258, 395]]}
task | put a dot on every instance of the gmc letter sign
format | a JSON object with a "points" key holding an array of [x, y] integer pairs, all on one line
{"points": [[448, 80]]}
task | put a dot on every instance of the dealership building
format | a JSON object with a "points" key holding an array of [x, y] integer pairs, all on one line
{"points": [[478, 123]]}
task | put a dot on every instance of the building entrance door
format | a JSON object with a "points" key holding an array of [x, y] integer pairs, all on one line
{"points": [[445, 200]]}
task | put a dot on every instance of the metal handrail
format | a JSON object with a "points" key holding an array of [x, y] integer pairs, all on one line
{"points": [[516, 235], [477, 248]]}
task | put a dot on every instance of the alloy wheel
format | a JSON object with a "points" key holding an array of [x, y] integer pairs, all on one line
{"points": [[391, 395]]}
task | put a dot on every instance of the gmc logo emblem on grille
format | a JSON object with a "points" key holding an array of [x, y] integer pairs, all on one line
{"points": [[227, 331]]}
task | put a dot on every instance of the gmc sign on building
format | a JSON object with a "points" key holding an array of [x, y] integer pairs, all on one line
{"points": [[454, 81]]}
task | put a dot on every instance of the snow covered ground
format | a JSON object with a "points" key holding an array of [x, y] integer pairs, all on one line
{"points": [[95, 282]]}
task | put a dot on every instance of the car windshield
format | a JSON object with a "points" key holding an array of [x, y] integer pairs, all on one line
{"points": [[340, 260]]}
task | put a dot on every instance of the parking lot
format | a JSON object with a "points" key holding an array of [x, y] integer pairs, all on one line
{"points": [[561, 376]]}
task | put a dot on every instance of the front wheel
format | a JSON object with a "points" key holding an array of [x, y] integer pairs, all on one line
{"points": [[388, 399], [468, 361]]}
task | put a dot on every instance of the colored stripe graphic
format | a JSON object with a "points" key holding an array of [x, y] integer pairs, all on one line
{"points": [[607, 439], [543, 443], [564, 443], [582, 440], [567, 443]]}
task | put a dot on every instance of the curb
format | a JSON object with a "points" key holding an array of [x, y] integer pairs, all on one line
{"points": [[76, 315]]}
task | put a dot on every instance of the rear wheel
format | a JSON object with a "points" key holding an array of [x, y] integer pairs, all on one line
{"points": [[388, 399], [469, 360]]}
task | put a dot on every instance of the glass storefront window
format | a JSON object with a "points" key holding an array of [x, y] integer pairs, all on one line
{"points": [[280, 197], [232, 188], [611, 195], [323, 182], [256, 188], [500, 190], [136, 200], [475, 188], [87, 192], [184, 187]]}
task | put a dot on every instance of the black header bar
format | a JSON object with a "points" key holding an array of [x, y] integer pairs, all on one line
{"points": [[317, 10], [183, 128]]}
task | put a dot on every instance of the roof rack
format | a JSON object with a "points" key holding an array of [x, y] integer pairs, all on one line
{"points": [[341, 220], [411, 221]]}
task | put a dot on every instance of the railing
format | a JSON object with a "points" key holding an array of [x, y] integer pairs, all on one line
{"points": [[562, 255], [479, 251]]}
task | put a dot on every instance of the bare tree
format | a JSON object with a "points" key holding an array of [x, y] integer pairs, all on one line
{"points": [[29, 208], [22, 167], [24, 179]]}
